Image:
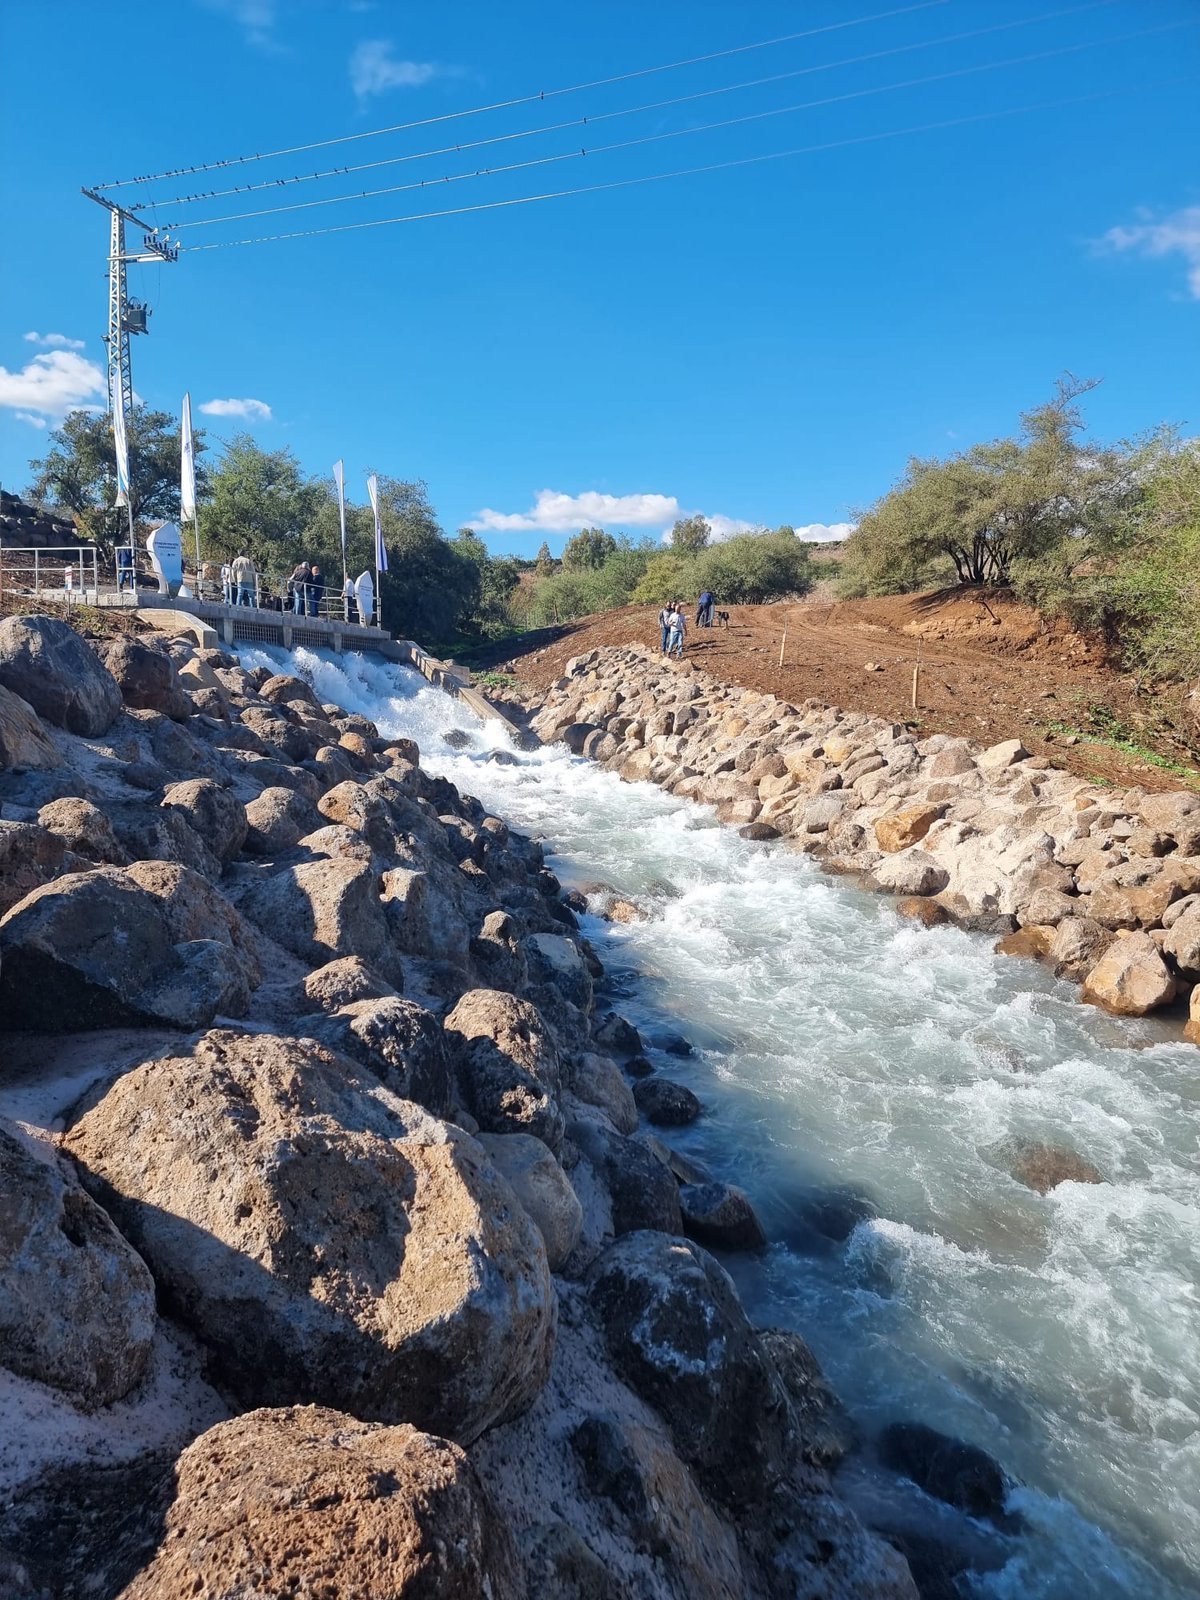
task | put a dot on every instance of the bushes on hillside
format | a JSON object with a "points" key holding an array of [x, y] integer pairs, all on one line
{"points": [[746, 570]]}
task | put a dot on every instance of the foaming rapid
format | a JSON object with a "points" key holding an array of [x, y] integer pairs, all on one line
{"points": [[840, 1050]]}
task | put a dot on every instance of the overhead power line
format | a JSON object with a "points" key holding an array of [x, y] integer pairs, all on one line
{"points": [[678, 133], [462, 147], [523, 100], [690, 172]]}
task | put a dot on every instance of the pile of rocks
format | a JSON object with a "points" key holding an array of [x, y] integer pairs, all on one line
{"points": [[328, 1110], [1104, 886], [25, 526]]}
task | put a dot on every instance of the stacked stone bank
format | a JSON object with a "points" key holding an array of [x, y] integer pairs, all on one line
{"points": [[332, 1258], [1104, 885]]}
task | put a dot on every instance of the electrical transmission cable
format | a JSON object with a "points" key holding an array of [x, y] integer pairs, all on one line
{"points": [[462, 147], [690, 172], [678, 133], [523, 100]]}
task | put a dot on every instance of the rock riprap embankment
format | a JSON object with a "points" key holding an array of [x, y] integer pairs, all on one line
{"points": [[1103, 885], [334, 1255]]}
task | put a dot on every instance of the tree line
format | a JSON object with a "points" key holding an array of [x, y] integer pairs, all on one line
{"points": [[1104, 534], [260, 503]]}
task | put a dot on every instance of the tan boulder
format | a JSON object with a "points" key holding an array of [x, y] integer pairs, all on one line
{"points": [[321, 909], [84, 829], [507, 1065], [1078, 945], [326, 1241], [23, 740], [927, 912], [76, 1301], [542, 1187], [1183, 943], [901, 828], [1032, 940], [1130, 978], [30, 856], [305, 1501], [215, 813], [1191, 1029], [1142, 907]]}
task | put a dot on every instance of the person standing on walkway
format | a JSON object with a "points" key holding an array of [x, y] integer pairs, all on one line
{"points": [[664, 622], [350, 600], [676, 632], [226, 583], [298, 583], [243, 574], [314, 590], [704, 610], [126, 573]]}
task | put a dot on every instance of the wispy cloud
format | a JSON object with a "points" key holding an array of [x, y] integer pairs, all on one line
{"points": [[54, 341], [256, 18], [554, 512], [375, 68], [1176, 234], [53, 383], [27, 416], [250, 410]]}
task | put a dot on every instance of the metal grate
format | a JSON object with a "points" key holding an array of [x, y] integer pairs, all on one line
{"points": [[260, 632]]}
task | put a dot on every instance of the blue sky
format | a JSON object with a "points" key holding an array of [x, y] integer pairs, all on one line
{"points": [[763, 343]]}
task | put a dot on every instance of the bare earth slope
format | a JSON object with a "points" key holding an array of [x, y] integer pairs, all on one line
{"points": [[991, 669]]}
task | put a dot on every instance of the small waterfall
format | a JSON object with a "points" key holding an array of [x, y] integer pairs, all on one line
{"points": [[842, 1052]]}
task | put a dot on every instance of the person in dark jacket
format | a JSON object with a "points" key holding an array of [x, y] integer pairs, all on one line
{"points": [[704, 610], [314, 590], [297, 584]]}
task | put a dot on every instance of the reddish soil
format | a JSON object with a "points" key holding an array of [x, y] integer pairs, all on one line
{"points": [[991, 669]]}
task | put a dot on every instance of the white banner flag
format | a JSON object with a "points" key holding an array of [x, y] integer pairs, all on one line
{"points": [[187, 465], [380, 547], [120, 443], [339, 478]]}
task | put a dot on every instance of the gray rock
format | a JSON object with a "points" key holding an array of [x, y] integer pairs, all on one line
{"points": [[321, 909], [84, 829], [24, 742], [340, 983], [276, 819], [30, 856], [327, 1241], [542, 1187], [213, 812], [556, 963], [720, 1216], [597, 1081], [614, 1034], [949, 1469], [58, 674], [147, 678], [666, 1103], [76, 1301], [506, 1064], [641, 1189], [401, 1043], [496, 953], [677, 1334], [826, 1430]]}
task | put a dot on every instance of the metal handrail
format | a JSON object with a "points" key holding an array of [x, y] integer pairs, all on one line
{"points": [[68, 572]]}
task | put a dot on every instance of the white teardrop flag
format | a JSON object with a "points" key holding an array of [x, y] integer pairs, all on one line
{"points": [[380, 547], [187, 465]]}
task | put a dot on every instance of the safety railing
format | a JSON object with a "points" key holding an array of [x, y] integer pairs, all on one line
{"points": [[69, 573]]}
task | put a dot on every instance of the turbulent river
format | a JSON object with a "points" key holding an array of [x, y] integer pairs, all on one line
{"points": [[841, 1050]]}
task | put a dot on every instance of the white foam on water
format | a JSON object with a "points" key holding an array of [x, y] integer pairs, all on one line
{"points": [[839, 1046]]}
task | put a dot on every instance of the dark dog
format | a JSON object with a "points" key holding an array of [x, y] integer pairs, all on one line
{"points": [[722, 619]]}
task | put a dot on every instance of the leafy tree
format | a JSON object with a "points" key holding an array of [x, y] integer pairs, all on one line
{"points": [[259, 502], [690, 534], [545, 561], [754, 567], [79, 470], [431, 589], [998, 509], [591, 547], [498, 578]]}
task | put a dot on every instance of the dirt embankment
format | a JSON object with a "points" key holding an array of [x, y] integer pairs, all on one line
{"points": [[990, 669]]}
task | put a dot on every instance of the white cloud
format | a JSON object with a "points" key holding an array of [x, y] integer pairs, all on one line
{"points": [[256, 18], [374, 70], [52, 384], [251, 410], [1175, 234], [27, 416], [819, 532], [553, 512], [54, 341]]}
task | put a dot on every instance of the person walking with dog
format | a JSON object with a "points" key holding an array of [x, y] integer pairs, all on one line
{"points": [[664, 622], [676, 632]]}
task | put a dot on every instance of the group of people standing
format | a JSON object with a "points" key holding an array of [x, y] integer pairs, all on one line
{"points": [[306, 589], [673, 622]]}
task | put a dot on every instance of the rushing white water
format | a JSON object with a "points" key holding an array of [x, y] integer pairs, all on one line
{"points": [[838, 1047]]}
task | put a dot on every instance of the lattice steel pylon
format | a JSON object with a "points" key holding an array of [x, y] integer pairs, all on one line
{"points": [[126, 316]]}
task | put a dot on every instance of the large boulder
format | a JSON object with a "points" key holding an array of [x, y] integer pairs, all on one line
{"points": [[62, 678], [1079, 942], [598, 1082], [665, 1102], [913, 872], [321, 909], [720, 1216], [826, 1430], [84, 830], [899, 829], [949, 1469], [642, 1190], [23, 741], [506, 1064], [676, 1333], [276, 819], [76, 1301], [310, 1502], [215, 813], [1182, 943], [401, 1042], [556, 963], [1131, 977], [327, 1241], [342, 982], [146, 677], [97, 950], [542, 1187], [30, 856]]}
